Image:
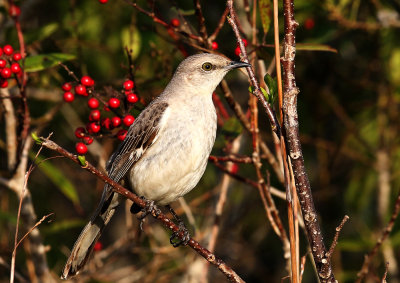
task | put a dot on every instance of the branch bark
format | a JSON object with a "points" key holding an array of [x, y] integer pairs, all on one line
{"points": [[210, 257], [291, 127]]}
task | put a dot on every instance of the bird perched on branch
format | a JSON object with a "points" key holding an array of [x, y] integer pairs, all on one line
{"points": [[166, 149]]}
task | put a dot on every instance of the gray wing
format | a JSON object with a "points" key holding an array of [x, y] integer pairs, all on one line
{"points": [[141, 135], [139, 138]]}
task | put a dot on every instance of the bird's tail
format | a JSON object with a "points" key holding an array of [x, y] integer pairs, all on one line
{"points": [[90, 234]]}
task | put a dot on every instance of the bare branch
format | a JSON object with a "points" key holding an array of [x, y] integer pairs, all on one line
{"points": [[314, 233], [335, 239], [385, 234], [210, 257]]}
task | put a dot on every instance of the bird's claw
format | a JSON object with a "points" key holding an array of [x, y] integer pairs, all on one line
{"points": [[148, 209], [182, 240]]}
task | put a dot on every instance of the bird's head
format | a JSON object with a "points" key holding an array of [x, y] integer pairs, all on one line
{"points": [[205, 71]]}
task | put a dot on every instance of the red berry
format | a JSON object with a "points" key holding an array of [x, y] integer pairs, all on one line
{"points": [[132, 98], [115, 121], [81, 90], [66, 87], [94, 115], [237, 51], [3, 63], [214, 45], [99, 246], [1, 51], [3, 83], [81, 148], [175, 22], [114, 102], [106, 123], [87, 81], [235, 168], [103, 2], [6, 73], [87, 140], [309, 23], [93, 103], [128, 85], [93, 128], [8, 50], [121, 135], [128, 120], [15, 68], [14, 11], [80, 132], [68, 96], [17, 56], [245, 42]]}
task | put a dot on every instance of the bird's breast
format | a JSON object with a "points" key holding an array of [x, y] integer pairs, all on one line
{"points": [[174, 164]]}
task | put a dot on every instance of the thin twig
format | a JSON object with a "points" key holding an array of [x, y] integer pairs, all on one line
{"points": [[242, 118], [257, 91], [31, 229], [385, 274], [221, 23], [163, 23], [274, 191], [335, 239], [385, 233], [231, 158], [22, 195], [224, 186], [302, 267], [201, 20], [10, 129]]}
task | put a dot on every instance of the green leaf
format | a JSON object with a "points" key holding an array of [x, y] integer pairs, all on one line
{"points": [[82, 160], [45, 61], [61, 226], [9, 217], [267, 50], [251, 89], [131, 38], [232, 127], [36, 138], [38, 35], [267, 96], [265, 14], [182, 12], [57, 177], [315, 47], [273, 88]]}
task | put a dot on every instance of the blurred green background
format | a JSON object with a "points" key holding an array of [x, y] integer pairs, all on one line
{"points": [[349, 121]]}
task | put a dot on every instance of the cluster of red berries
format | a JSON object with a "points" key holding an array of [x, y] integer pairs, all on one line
{"points": [[9, 64], [96, 123], [237, 49]]}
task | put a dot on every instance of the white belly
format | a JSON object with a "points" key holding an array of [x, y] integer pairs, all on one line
{"points": [[174, 164]]}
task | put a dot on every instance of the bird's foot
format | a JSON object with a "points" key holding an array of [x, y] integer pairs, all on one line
{"points": [[181, 240], [148, 209]]}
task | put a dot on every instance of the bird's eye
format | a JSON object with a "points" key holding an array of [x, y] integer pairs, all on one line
{"points": [[207, 66]]}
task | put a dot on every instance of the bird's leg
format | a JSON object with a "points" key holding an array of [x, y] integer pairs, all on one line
{"points": [[148, 209], [182, 229]]}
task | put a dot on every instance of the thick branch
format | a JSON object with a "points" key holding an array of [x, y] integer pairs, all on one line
{"points": [[315, 239]]}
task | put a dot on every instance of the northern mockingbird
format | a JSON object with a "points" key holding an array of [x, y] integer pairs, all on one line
{"points": [[166, 149]]}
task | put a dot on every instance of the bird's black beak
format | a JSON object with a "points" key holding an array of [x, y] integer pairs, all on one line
{"points": [[237, 64]]}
